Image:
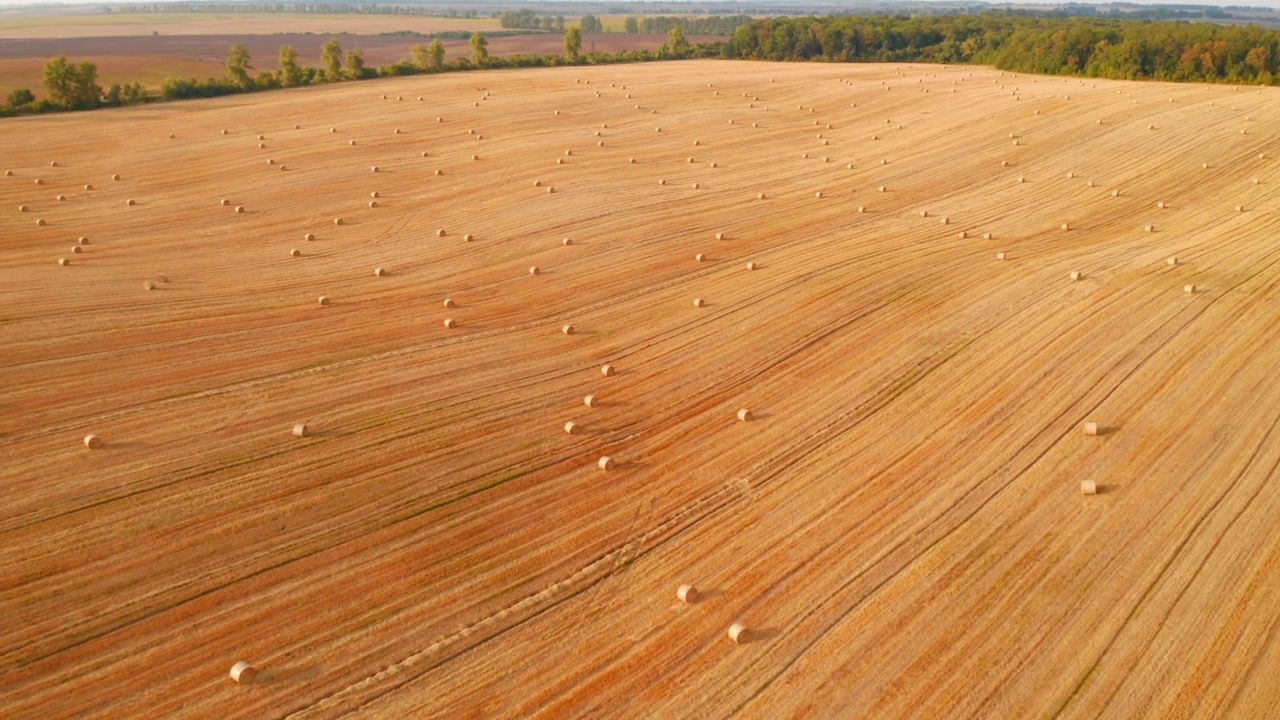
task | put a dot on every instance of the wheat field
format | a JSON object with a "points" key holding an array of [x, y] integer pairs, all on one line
{"points": [[900, 524]]}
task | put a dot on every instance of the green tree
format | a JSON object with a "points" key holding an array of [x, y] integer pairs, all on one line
{"points": [[633, 25], [331, 57], [238, 67], [290, 73], [421, 59], [573, 43], [133, 93], [435, 55], [21, 98], [677, 45], [355, 64], [591, 24], [73, 86], [479, 50]]}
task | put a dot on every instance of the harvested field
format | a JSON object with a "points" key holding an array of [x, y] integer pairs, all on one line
{"points": [[900, 526], [52, 24]]}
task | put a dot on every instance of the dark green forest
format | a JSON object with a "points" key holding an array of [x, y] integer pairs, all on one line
{"points": [[1120, 49]]}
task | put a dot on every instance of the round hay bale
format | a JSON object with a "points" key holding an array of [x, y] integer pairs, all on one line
{"points": [[439, 172], [662, 181], [324, 300], [337, 221], [115, 177], [93, 442], [760, 196], [8, 173], [76, 249], [687, 594], [550, 190], [239, 209], [1160, 204], [300, 430], [570, 427], [224, 132], [1000, 255], [374, 194], [309, 237], [1172, 261], [64, 262], [738, 631], [380, 272], [295, 253], [448, 302], [924, 213], [1239, 208], [333, 130], [1091, 428], [605, 463], [262, 146], [818, 194], [963, 234], [699, 257], [224, 202], [62, 198], [1075, 275], [271, 161], [566, 242], [22, 208], [537, 183], [1188, 288], [440, 232], [534, 270], [862, 209], [945, 221], [1066, 226], [751, 265], [1149, 228], [450, 323], [83, 240], [1088, 487], [745, 415], [567, 329], [590, 401], [130, 202], [467, 237], [559, 161], [374, 168], [697, 302], [40, 222], [606, 370], [1115, 193], [986, 236], [690, 161], [373, 203]]}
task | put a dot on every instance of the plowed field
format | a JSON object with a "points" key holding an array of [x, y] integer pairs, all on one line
{"points": [[900, 524]]}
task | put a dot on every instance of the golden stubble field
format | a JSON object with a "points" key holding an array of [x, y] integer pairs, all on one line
{"points": [[900, 525]]}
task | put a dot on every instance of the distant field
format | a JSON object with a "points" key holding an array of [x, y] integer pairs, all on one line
{"points": [[900, 524], [54, 26], [150, 59]]}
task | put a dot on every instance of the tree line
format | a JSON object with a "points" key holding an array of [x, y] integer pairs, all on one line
{"points": [[74, 86], [1095, 47], [1108, 48], [710, 25]]}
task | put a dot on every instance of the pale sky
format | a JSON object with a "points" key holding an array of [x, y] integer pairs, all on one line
{"points": [[668, 3]]}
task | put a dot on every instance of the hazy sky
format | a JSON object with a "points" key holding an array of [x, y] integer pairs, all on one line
{"points": [[674, 3]]}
